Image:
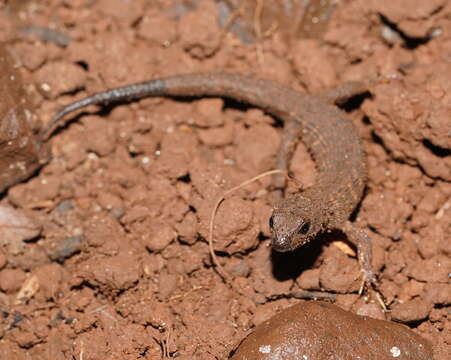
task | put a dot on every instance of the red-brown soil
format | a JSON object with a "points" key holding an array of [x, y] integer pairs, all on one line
{"points": [[108, 257]]}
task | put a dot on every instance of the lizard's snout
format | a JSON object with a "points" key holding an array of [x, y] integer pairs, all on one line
{"points": [[281, 243]]}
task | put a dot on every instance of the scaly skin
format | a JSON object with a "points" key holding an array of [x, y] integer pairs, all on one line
{"points": [[331, 138]]}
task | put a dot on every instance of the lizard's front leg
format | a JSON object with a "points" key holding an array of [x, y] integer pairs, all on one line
{"points": [[362, 241]]}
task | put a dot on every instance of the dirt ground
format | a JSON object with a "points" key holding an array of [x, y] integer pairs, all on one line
{"points": [[115, 264]]}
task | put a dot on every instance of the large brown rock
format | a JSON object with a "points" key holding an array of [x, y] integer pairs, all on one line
{"points": [[20, 150], [319, 330]]}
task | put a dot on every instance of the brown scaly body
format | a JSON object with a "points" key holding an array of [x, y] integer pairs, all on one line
{"points": [[331, 138]]}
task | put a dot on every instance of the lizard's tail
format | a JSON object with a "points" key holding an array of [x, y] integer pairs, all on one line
{"points": [[258, 92], [121, 94]]}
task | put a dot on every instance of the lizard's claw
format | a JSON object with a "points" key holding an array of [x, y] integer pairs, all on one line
{"points": [[368, 280]]}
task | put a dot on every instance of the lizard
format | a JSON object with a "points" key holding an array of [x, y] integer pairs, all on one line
{"points": [[331, 138]]}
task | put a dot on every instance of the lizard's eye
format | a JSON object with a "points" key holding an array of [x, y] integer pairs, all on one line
{"points": [[271, 222], [304, 229]]}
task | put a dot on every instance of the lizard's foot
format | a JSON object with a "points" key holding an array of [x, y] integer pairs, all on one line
{"points": [[369, 280]]}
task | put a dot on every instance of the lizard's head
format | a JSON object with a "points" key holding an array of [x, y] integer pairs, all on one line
{"points": [[294, 221]]}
